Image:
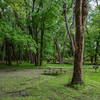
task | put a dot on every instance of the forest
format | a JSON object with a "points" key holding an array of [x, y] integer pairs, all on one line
{"points": [[49, 49]]}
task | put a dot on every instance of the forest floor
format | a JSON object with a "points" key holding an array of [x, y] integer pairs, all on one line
{"points": [[30, 84]]}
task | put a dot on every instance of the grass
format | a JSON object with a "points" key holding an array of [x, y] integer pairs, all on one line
{"points": [[21, 66], [30, 84]]}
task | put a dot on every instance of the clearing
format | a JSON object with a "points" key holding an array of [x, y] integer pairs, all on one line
{"points": [[31, 84]]}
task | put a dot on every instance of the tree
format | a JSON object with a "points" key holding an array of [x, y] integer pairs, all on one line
{"points": [[81, 12], [35, 31], [92, 37], [68, 29]]}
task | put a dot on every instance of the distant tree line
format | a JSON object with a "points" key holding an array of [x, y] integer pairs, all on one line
{"points": [[35, 31]]}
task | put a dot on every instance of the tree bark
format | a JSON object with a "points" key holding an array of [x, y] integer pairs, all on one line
{"points": [[37, 50], [8, 52], [63, 53], [97, 3], [41, 48], [68, 29], [91, 59], [34, 33], [13, 52], [96, 51], [60, 55], [20, 54], [31, 57], [81, 12], [58, 50], [73, 22], [0, 15], [3, 55]]}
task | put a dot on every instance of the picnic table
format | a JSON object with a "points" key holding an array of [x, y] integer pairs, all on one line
{"points": [[51, 70]]}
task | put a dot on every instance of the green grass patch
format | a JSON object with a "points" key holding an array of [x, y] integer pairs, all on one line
{"points": [[30, 84]]}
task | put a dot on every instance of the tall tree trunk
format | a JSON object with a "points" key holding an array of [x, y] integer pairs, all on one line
{"points": [[97, 3], [31, 57], [73, 20], [96, 51], [58, 50], [37, 50], [0, 13], [0, 16], [34, 31], [63, 53], [13, 52], [68, 29], [41, 48], [8, 52], [60, 56], [20, 54], [81, 12], [3, 56], [91, 59]]}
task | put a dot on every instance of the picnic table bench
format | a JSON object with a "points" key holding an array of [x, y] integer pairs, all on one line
{"points": [[51, 70]]}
